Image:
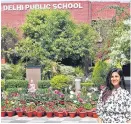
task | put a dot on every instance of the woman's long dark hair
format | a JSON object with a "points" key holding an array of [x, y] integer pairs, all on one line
{"points": [[109, 85]]}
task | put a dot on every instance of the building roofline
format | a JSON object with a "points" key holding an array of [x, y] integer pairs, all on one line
{"points": [[27, 1]]}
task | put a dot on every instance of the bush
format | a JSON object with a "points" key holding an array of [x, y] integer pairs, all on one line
{"points": [[79, 71], [60, 81], [67, 70], [44, 84], [18, 71], [5, 70], [99, 73], [16, 83], [12, 71], [16, 90], [41, 91], [87, 84], [2, 84]]}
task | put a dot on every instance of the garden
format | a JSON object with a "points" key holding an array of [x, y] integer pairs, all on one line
{"points": [[65, 51], [54, 97]]}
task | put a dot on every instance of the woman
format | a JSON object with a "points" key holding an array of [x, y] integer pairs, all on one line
{"points": [[114, 103]]}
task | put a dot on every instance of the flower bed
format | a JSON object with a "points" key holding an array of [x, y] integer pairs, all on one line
{"points": [[50, 104]]}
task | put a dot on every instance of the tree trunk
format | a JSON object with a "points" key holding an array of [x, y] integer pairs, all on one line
{"points": [[86, 65]]}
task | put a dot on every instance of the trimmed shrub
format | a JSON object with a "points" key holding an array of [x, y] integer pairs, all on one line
{"points": [[12, 90], [16, 83], [44, 84], [60, 81]]}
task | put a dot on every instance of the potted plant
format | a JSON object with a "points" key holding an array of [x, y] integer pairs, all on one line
{"points": [[19, 111], [72, 110], [3, 108], [49, 111], [83, 113], [30, 107], [94, 113], [40, 110], [88, 106], [55, 110], [10, 108], [60, 112], [20, 108]]}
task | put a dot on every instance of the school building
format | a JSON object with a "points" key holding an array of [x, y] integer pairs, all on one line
{"points": [[13, 13]]}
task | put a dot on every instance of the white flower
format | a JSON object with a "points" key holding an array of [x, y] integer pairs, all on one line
{"points": [[72, 92], [89, 94], [75, 101], [71, 96]]}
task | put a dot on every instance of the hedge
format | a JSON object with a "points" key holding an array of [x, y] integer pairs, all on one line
{"points": [[43, 84], [13, 83], [17, 90]]}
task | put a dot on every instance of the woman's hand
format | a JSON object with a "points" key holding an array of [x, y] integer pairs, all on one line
{"points": [[99, 120]]}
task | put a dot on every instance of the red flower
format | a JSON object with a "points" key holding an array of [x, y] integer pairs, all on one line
{"points": [[80, 100]]}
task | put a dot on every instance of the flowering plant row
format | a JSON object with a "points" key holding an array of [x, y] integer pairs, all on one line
{"points": [[49, 101]]}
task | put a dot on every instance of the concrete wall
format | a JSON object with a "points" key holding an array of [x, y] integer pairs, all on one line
{"points": [[34, 74]]}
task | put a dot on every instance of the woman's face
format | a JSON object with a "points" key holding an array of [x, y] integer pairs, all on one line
{"points": [[115, 79]]}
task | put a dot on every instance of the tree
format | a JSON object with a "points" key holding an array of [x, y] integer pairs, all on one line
{"points": [[59, 36], [8, 39], [120, 49], [29, 52], [106, 32], [106, 36]]}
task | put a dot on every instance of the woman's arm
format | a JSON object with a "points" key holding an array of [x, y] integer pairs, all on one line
{"points": [[129, 121], [99, 120]]}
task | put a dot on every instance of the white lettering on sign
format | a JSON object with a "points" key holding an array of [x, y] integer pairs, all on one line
{"points": [[42, 6], [67, 6]]}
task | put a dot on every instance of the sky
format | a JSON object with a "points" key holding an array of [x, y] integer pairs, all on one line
{"points": [[9, 1]]}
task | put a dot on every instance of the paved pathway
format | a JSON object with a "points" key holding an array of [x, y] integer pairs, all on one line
{"points": [[16, 119]]}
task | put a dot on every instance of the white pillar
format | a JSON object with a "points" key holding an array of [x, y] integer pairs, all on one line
{"points": [[77, 84]]}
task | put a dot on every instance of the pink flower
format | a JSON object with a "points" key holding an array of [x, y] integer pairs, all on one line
{"points": [[61, 95], [56, 92], [80, 100]]}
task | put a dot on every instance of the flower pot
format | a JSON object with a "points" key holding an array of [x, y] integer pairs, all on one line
{"points": [[29, 114], [10, 113], [56, 114], [60, 114], [89, 113], [82, 114], [34, 113], [49, 114], [95, 115], [39, 114], [25, 113], [79, 110], [72, 114], [65, 113], [3, 113], [14, 113], [20, 113]]}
